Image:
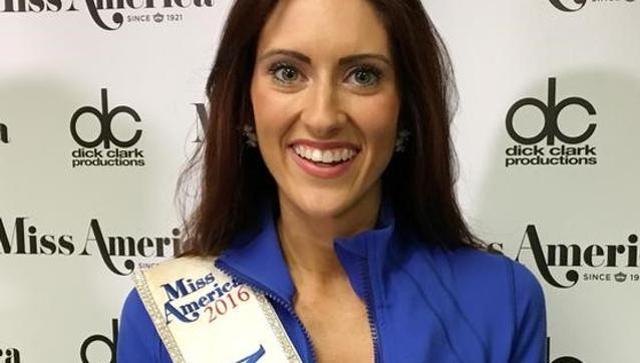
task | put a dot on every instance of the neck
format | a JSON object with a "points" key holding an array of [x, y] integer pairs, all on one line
{"points": [[307, 240]]}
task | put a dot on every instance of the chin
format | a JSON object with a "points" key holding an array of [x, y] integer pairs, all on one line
{"points": [[321, 204]]}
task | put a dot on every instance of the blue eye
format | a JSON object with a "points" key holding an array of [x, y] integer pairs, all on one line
{"points": [[364, 75], [283, 72], [367, 75]]}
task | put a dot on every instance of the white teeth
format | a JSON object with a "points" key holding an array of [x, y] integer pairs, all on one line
{"points": [[324, 156], [316, 155], [327, 156]]}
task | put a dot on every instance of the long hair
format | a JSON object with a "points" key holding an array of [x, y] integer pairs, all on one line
{"points": [[233, 179]]}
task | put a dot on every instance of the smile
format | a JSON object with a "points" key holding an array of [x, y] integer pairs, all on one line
{"points": [[323, 163], [324, 156]]}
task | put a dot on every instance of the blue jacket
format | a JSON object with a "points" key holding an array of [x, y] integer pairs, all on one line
{"points": [[425, 304]]}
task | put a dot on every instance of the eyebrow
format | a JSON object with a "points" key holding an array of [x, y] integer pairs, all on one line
{"points": [[306, 59]]}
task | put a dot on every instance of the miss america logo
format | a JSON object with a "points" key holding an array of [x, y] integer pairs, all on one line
{"points": [[589, 262], [189, 298], [25, 239], [96, 7]]}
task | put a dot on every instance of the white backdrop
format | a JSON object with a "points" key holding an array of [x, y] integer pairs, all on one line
{"points": [[68, 230]]}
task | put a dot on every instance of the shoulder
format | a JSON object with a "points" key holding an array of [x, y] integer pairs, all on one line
{"points": [[135, 316], [497, 299], [478, 271], [494, 269], [493, 288], [500, 297], [138, 340], [485, 285]]}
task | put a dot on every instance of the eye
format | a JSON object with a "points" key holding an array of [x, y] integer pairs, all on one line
{"points": [[366, 75], [284, 72]]}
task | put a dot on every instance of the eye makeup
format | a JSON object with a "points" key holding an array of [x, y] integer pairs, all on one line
{"points": [[277, 68]]}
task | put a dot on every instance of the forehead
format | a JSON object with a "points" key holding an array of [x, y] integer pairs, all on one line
{"points": [[324, 28]]}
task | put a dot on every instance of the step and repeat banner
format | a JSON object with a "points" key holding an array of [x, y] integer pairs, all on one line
{"points": [[101, 104]]}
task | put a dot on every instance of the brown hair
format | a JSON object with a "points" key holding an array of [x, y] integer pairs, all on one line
{"points": [[233, 178]]}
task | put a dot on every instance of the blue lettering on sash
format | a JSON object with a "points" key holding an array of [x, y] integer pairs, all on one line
{"points": [[187, 286], [170, 310], [183, 306]]}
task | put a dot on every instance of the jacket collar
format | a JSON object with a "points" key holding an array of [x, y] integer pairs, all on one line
{"points": [[258, 258]]}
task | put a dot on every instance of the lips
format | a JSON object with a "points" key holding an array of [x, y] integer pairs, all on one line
{"points": [[323, 160], [328, 156], [325, 145]]}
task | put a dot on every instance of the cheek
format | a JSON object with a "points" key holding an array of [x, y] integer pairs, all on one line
{"points": [[269, 110], [378, 118], [261, 97]]}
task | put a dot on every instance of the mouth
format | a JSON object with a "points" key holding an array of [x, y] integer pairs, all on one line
{"points": [[323, 162]]}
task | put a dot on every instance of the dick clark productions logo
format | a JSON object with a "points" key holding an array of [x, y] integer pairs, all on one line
{"points": [[560, 148], [97, 150]]}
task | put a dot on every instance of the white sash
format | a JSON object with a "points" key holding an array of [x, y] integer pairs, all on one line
{"points": [[204, 316]]}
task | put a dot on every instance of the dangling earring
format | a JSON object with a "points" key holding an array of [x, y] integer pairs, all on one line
{"points": [[249, 133], [401, 140]]}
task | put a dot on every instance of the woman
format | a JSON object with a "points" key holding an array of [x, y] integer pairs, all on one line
{"points": [[327, 188]]}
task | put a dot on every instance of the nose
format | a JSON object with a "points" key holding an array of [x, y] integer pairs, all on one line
{"points": [[323, 116]]}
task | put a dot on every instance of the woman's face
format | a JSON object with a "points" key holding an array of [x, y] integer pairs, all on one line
{"points": [[325, 102]]}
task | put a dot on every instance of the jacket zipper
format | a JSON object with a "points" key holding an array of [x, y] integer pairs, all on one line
{"points": [[258, 287], [371, 313]]}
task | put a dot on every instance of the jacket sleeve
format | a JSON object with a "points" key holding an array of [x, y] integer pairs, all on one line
{"points": [[531, 320], [138, 340]]}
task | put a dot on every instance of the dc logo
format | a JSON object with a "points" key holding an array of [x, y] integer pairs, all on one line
{"points": [[104, 118], [551, 130], [559, 4]]}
